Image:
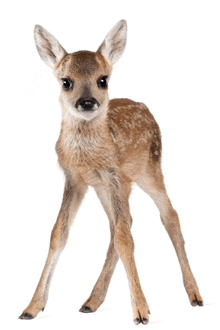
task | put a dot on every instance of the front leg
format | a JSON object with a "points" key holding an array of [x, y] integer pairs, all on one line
{"points": [[125, 246], [119, 191], [72, 197]]}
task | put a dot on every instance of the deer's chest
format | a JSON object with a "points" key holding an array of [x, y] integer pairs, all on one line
{"points": [[85, 156]]}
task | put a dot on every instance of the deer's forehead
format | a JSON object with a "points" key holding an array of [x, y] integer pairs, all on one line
{"points": [[84, 64]]}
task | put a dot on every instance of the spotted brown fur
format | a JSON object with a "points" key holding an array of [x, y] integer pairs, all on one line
{"points": [[109, 147]]}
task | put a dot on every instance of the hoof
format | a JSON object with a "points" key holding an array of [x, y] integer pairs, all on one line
{"points": [[145, 321], [197, 302], [137, 321], [86, 309], [26, 316]]}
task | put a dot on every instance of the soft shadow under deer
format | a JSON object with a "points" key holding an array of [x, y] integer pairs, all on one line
{"points": [[106, 144]]}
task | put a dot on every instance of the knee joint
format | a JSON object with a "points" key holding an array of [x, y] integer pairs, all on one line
{"points": [[124, 241]]}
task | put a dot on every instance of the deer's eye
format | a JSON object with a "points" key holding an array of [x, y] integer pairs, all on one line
{"points": [[102, 82], [67, 84]]}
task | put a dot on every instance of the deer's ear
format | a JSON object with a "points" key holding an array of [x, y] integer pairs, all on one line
{"points": [[49, 49], [114, 43]]}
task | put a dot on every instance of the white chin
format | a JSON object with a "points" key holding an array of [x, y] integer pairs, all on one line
{"points": [[88, 115]]}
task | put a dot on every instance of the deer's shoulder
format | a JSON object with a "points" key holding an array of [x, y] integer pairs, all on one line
{"points": [[127, 114]]}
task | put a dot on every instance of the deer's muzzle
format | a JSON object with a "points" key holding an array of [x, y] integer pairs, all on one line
{"points": [[87, 104]]}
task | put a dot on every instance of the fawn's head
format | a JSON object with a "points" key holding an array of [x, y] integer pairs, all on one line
{"points": [[83, 75]]}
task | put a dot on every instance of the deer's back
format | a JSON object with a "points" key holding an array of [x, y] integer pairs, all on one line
{"points": [[136, 134]]}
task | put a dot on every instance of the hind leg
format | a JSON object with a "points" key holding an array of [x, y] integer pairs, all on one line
{"points": [[153, 184], [99, 291]]}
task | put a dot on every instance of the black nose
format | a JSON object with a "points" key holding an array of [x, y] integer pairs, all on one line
{"points": [[86, 104]]}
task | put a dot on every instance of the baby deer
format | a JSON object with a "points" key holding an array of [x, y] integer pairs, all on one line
{"points": [[106, 144]]}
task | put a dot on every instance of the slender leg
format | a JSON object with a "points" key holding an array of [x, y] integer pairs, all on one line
{"points": [[154, 186], [73, 195], [125, 246], [119, 191], [99, 291]]}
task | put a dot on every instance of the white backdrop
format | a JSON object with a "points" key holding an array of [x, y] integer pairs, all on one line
{"points": [[172, 64]]}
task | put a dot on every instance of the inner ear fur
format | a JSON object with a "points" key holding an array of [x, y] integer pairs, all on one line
{"points": [[114, 43], [49, 49]]}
